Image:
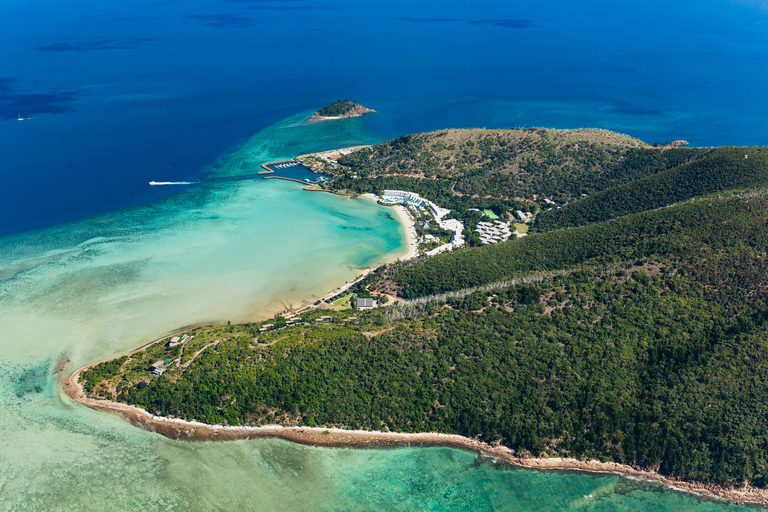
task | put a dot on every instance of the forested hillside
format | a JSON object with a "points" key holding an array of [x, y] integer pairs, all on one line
{"points": [[715, 170], [643, 355], [640, 336], [711, 225], [509, 164]]}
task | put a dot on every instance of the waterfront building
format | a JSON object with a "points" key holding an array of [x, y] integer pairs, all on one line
{"points": [[401, 197]]}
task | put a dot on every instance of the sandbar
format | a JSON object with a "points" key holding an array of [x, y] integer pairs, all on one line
{"points": [[319, 119]]}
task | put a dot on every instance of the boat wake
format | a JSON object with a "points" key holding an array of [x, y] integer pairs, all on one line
{"points": [[172, 182]]}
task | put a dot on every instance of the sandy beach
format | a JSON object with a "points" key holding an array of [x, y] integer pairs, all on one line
{"points": [[334, 437], [356, 113], [408, 224], [410, 230], [319, 119]]}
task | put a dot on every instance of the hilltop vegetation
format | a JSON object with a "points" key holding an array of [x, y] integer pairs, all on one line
{"points": [[638, 333], [509, 164], [503, 171], [342, 108], [567, 178]]}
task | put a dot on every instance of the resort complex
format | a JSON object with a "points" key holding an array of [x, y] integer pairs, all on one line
{"points": [[425, 211]]}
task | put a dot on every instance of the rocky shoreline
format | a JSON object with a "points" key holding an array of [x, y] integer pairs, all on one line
{"points": [[337, 438]]}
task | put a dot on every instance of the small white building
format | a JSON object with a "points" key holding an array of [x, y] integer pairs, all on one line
{"points": [[158, 367]]}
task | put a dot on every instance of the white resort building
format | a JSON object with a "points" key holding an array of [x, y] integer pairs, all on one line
{"points": [[401, 197], [525, 216]]}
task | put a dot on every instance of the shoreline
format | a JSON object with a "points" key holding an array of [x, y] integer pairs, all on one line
{"points": [[409, 225], [308, 189], [410, 232], [182, 430]]}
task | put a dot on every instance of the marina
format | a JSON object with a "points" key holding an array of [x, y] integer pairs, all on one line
{"points": [[294, 171]]}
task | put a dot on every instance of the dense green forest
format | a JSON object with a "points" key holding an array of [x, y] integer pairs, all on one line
{"points": [[640, 336], [714, 170]]}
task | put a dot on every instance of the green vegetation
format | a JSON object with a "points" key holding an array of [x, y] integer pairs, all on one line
{"points": [[681, 231], [638, 334], [711, 171], [657, 363], [102, 371], [343, 302], [508, 164], [503, 170], [340, 108]]}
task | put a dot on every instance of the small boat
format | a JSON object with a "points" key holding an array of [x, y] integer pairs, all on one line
{"points": [[20, 118]]}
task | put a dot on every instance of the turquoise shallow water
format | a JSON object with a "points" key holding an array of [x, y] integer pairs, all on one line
{"points": [[215, 252], [295, 136], [233, 252]]}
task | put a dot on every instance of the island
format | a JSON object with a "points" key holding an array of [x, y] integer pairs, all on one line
{"points": [[340, 109], [628, 331]]}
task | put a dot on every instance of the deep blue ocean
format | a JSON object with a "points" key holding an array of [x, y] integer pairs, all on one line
{"points": [[116, 94]]}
